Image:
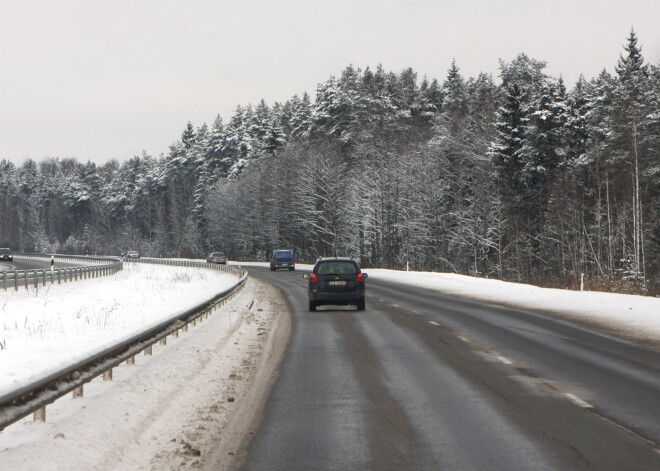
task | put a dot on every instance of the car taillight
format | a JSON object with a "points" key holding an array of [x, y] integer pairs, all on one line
{"points": [[314, 279], [275, 259], [360, 278]]}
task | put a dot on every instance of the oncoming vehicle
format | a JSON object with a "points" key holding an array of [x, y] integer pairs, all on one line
{"points": [[5, 254], [132, 254], [217, 257], [336, 281], [283, 259]]}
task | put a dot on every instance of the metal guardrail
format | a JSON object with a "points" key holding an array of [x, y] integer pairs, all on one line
{"points": [[34, 398], [102, 266]]}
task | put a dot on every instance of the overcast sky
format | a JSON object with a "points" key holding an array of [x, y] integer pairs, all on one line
{"points": [[102, 80]]}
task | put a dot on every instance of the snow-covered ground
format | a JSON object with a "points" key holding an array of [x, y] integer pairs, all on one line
{"points": [[167, 410], [52, 326], [174, 409], [634, 317]]}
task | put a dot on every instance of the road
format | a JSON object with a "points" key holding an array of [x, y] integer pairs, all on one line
{"points": [[24, 263], [422, 381]]}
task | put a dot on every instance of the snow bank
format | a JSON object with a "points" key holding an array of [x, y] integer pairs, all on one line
{"points": [[47, 328], [632, 316]]}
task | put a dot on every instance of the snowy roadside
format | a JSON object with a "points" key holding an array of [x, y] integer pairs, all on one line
{"points": [[188, 405], [46, 328], [633, 317]]}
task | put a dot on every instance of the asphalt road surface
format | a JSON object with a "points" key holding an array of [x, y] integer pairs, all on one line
{"points": [[422, 381], [26, 263]]}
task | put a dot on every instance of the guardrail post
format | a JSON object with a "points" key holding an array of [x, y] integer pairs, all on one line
{"points": [[78, 392], [107, 375], [26, 280], [40, 415], [163, 341], [148, 350], [131, 360]]}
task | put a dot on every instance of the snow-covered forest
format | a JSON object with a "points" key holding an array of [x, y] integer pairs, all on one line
{"points": [[519, 177]]}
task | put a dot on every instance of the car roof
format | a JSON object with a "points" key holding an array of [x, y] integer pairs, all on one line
{"points": [[341, 259]]}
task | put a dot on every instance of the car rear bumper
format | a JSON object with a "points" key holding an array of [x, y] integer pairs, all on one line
{"points": [[283, 265], [336, 297]]}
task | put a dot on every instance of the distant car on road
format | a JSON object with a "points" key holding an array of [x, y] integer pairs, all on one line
{"points": [[132, 254], [336, 281], [283, 259], [217, 257], [5, 254]]}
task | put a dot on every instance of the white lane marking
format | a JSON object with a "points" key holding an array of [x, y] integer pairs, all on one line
{"points": [[395, 305], [433, 323], [577, 401], [463, 339], [504, 360]]}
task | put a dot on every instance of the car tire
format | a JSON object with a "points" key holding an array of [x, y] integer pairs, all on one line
{"points": [[291, 269], [312, 306], [360, 305]]}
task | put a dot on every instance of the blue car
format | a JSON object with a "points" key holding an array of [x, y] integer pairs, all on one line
{"points": [[283, 259]]}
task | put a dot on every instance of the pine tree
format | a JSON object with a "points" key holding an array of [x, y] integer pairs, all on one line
{"points": [[507, 154], [455, 103], [628, 136], [188, 135]]}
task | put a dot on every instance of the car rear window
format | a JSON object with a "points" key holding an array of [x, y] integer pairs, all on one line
{"points": [[337, 268], [283, 253], [3, 251]]}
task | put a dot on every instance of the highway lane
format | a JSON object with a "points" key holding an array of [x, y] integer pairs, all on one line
{"points": [[26, 263], [425, 381]]}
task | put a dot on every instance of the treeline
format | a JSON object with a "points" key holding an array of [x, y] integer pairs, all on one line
{"points": [[522, 179]]}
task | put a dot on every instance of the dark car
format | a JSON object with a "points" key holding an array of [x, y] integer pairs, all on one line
{"points": [[5, 254], [336, 281], [283, 259], [217, 257]]}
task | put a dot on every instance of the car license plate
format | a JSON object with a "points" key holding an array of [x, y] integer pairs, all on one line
{"points": [[337, 283]]}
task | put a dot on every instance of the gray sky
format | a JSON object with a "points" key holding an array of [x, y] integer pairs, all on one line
{"points": [[102, 80]]}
